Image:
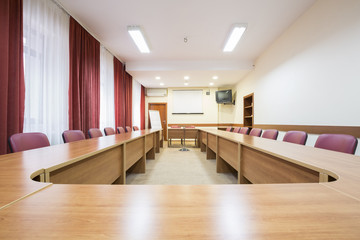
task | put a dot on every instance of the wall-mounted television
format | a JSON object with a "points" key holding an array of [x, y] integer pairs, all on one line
{"points": [[224, 96]]}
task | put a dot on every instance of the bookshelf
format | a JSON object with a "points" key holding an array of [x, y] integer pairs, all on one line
{"points": [[249, 110]]}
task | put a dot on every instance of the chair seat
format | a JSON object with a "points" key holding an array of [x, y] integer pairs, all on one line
{"points": [[26, 141], [73, 135], [95, 133], [337, 142]]}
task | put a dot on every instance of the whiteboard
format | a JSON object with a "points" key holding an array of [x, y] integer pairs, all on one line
{"points": [[155, 120], [187, 102]]}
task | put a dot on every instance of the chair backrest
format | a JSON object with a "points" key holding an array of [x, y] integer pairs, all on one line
{"points": [[255, 132], [244, 130], [135, 128], [192, 126], [337, 142], [128, 129], [72, 135], [109, 131], [94, 133], [175, 126], [270, 134], [298, 137], [236, 130], [26, 141], [120, 130], [228, 129]]}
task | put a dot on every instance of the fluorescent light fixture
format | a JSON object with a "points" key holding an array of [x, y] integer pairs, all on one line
{"points": [[211, 84], [157, 78], [234, 37], [215, 77], [161, 84], [186, 77], [139, 39], [186, 83]]}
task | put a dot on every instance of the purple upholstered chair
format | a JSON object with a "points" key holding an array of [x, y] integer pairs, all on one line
{"points": [[128, 129], [255, 132], [337, 142], [120, 130], [94, 133], [135, 128], [26, 141], [109, 131], [72, 135], [228, 129], [244, 130], [270, 134], [236, 130], [298, 137], [175, 126]]}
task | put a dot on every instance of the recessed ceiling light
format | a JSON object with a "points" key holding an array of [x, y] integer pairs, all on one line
{"points": [[161, 84], [186, 83], [234, 37], [215, 77], [211, 84], [139, 39], [157, 78], [186, 77]]}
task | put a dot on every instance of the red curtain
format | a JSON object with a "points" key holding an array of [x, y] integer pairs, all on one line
{"points": [[119, 93], [142, 108], [12, 85], [128, 99], [84, 88]]}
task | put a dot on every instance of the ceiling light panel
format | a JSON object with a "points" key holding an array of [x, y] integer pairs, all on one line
{"points": [[139, 39], [234, 37]]}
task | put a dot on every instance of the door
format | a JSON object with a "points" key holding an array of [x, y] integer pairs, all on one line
{"points": [[162, 108]]}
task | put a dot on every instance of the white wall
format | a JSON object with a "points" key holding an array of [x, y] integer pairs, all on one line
{"points": [[310, 75]]}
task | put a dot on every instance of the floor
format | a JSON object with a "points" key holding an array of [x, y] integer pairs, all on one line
{"points": [[172, 167]]}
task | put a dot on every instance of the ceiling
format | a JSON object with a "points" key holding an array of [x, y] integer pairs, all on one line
{"points": [[206, 25]]}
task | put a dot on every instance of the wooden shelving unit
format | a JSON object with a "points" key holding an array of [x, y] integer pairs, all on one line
{"points": [[249, 110]]}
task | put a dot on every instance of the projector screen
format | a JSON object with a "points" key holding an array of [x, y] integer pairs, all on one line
{"points": [[187, 102]]}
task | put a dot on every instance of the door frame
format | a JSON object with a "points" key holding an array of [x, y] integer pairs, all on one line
{"points": [[159, 103]]}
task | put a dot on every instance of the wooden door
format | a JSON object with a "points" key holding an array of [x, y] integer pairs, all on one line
{"points": [[162, 108]]}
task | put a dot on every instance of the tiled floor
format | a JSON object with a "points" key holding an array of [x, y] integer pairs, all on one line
{"points": [[174, 167]]}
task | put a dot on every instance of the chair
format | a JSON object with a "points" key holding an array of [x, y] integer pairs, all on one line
{"points": [[244, 130], [120, 130], [109, 131], [228, 129], [175, 126], [95, 133], [26, 141], [337, 142], [72, 135], [135, 128], [191, 126], [128, 129], [298, 137], [236, 130], [256, 132], [270, 134]]}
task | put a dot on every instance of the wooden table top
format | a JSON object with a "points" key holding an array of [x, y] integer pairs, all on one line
{"points": [[344, 167], [283, 211], [17, 169], [262, 211]]}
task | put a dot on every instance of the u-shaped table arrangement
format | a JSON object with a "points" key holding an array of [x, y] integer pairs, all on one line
{"points": [[77, 191]]}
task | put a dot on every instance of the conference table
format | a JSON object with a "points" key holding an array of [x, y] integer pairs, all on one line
{"points": [[183, 133], [298, 192]]}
